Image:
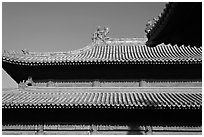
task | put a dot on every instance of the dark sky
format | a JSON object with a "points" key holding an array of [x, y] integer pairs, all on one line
{"points": [[69, 26]]}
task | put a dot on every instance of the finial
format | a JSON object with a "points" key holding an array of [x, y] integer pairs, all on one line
{"points": [[26, 83], [150, 24], [100, 34]]}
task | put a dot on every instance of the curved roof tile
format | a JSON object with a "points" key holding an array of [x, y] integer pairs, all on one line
{"points": [[126, 98], [134, 51]]}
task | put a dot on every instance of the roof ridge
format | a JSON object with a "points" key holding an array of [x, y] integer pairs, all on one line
{"points": [[144, 39], [74, 52], [71, 52]]}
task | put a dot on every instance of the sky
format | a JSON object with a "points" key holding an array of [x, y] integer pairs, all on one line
{"points": [[47, 27]]}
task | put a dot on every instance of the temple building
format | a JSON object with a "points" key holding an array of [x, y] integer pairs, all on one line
{"points": [[111, 86]]}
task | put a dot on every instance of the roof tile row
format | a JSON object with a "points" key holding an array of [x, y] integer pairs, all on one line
{"points": [[135, 52], [106, 99]]}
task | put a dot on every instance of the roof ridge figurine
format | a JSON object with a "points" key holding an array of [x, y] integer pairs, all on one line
{"points": [[100, 34]]}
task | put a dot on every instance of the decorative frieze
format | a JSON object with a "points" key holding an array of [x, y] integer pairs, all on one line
{"points": [[115, 83]]}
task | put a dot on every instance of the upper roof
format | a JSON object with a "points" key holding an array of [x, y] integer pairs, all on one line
{"points": [[113, 51], [117, 98], [179, 23]]}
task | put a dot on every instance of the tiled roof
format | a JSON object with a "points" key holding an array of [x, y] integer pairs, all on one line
{"points": [[117, 98], [161, 21], [114, 51], [180, 23]]}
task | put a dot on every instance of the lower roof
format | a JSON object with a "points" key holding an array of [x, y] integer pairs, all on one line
{"points": [[116, 98]]}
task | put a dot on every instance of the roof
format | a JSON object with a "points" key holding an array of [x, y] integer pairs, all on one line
{"points": [[113, 51], [117, 98], [180, 23]]}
